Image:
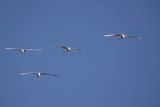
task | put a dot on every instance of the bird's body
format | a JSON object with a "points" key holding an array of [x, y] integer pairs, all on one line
{"points": [[38, 74], [122, 36], [68, 49], [23, 50]]}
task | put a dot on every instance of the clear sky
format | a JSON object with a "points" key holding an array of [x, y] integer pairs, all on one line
{"points": [[108, 73]]}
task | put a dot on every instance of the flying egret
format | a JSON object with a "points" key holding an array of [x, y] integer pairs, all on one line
{"points": [[23, 50], [38, 74], [68, 49], [122, 36]]}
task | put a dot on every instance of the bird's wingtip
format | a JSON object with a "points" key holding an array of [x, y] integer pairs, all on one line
{"points": [[107, 35], [140, 38], [7, 48], [55, 74], [40, 49], [53, 46], [21, 73]]}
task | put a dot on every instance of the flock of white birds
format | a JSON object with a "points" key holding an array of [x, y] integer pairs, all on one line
{"points": [[65, 49]]}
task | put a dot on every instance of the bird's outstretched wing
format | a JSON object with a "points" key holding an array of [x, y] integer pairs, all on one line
{"points": [[76, 49], [129, 36], [13, 49], [34, 49], [118, 36], [108, 35], [61, 46], [49, 74], [26, 73], [114, 35]]}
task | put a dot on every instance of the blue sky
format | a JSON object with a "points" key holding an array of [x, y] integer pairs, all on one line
{"points": [[109, 73]]}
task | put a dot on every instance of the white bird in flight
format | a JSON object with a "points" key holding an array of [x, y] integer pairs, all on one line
{"points": [[23, 50], [122, 36], [38, 74], [68, 49]]}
